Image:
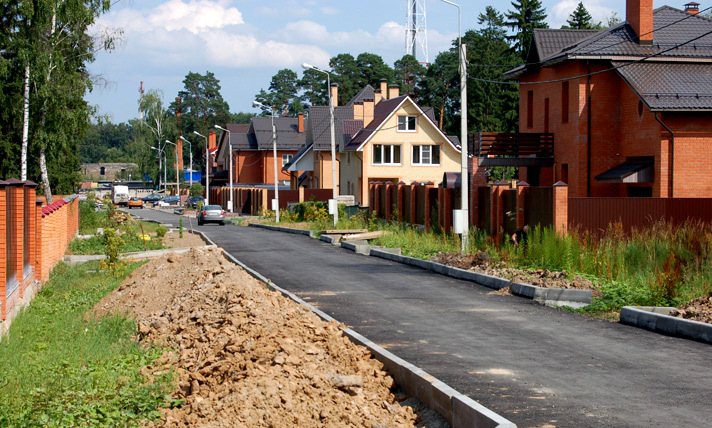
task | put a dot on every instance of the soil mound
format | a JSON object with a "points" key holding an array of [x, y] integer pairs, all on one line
{"points": [[246, 356], [699, 309], [482, 263]]}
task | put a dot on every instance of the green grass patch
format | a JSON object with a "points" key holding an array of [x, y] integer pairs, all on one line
{"points": [[59, 369]]}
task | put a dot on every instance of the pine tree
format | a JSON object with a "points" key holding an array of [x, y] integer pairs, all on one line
{"points": [[580, 19], [526, 16]]}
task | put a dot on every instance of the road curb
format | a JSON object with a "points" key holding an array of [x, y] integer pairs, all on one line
{"points": [[460, 410], [308, 233], [656, 318]]}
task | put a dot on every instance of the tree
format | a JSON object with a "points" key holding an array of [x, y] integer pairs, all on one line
{"points": [[346, 74], [372, 69], [313, 88], [613, 19], [201, 104], [158, 121], [441, 86], [283, 92], [409, 74], [526, 16], [580, 19], [241, 117]]}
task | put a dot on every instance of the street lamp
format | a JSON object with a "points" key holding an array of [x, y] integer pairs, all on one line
{"points": [[465, 178], [190, 147], [177, 182], [333, 140], [229, 143], [165, 163], [207, 168], [274, 147]]}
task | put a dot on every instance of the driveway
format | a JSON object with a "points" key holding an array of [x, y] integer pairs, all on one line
{"points": [[536, 366]]}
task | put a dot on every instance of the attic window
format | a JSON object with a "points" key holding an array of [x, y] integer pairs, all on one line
{"points": [[407, 123]]}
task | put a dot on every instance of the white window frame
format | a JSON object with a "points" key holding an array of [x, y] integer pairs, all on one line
{"points": [[403, 122], [286, 158], [421, 151], [384, 148]]}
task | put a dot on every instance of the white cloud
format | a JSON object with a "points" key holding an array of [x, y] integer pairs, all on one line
{"points": [[328, 10], [293, 11], [561, 11]]}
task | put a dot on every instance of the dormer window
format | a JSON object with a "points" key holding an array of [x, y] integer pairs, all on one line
{"points": [[407, 123]]}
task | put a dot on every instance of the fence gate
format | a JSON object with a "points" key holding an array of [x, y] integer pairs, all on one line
{"points": [[484, 198], [509, 205], [540, 207]]}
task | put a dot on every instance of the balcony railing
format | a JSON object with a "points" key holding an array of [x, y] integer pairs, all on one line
{"points": [[488, 144]]}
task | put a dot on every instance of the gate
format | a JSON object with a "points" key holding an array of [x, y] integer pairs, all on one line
{"points": [[509, 205], [540, 207]]}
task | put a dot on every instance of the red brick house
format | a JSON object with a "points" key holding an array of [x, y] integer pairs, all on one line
{"points": [[253, 154], [629, 107]]}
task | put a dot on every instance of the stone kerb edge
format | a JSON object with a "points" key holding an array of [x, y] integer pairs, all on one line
{"points": [[460, 410], [308, 233], [656, 319]]}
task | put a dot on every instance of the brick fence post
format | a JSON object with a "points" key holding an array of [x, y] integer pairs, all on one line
{"points": [[413, 209], [3, 248], [522, 191], [37, 259], [426, 209], [388, 208], [561, 207], [400, 200]]}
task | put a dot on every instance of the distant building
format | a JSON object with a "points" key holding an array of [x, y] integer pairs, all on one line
{"points": [[107, 171]]}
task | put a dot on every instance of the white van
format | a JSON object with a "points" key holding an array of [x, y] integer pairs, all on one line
{"points": [[120, 195]]}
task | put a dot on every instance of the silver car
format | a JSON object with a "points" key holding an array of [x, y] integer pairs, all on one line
{"points": [[211, 214]]}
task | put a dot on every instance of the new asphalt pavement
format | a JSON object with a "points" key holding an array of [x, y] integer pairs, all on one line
{"points": [[536, 366]]}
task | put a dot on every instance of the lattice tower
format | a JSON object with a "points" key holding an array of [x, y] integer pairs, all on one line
{"points": [[416, 33]]}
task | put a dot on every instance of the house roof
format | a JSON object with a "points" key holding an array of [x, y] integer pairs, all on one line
{"points": [[381, 113], [288, 137], [297, 157], [671, 86], [677, 35], [367, 93], [318, 126]]}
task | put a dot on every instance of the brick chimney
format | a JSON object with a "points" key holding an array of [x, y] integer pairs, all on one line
{"points": [[639, 14], [335, 93], [367, 112], [358, 110], [393, 91], [300, 122], [693, 8], [212, 142], [384, 89], [377, 96]]}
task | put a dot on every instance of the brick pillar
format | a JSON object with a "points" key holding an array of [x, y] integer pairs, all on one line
{"points": [[37, 259], [3, 249], [522, 191], [413, 189], [301, 194], [31, 226], [15, 197], [388, 209], [371, 191], [400, 200], [561, 207], [479, 179]]}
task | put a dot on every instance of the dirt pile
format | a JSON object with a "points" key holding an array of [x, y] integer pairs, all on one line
{"points": [[482, 263], [699, 309], [247, 356]]}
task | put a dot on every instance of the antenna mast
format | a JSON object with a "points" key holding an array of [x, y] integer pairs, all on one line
{"points": [[416, 33]]}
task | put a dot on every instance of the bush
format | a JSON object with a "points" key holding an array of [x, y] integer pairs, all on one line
{"points": [[197, 190], [161, 231]]}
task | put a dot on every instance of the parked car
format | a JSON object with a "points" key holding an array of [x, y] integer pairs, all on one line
{"points": [[135, 203], [193, 201], [211, 214], [153, 197], [168, 200]]}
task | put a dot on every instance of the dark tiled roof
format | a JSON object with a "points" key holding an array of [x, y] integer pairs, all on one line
{"points": [[670, 86], [549, 42], [380, 113], [318, 126], [296, 157], [238, 127], [430, 112], [367, 93], [288, 138], [243, 141], [455, 140]]}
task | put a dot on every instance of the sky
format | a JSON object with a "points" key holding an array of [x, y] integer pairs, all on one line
{"points": [[245, 42]]}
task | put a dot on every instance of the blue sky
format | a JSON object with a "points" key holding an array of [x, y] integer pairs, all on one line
{"points": [[245, 42]]}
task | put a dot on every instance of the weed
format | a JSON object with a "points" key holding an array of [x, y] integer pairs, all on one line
{"points": [[180, 227]]}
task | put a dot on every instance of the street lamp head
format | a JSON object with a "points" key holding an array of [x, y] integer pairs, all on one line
{"points": [[169, 142], [306, 66], [257, 104], [220, 128], [198, 134], [183, 138], [154, 148]]}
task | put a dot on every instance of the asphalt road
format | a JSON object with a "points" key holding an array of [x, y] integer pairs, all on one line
{"points": [[536, 366]]}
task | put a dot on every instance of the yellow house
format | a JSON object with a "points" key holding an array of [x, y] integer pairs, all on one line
{"points": [[399, 142]]}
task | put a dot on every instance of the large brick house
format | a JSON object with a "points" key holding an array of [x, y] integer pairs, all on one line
{"points": [[629, 107]]}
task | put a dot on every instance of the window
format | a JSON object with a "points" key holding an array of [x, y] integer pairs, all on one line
{"points": [[407, 123], [530, 109], [564, 102], [386, 154], [426, 155], [286, 159]]}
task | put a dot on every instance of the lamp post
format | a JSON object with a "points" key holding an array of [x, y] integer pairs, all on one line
{"points": [[334, 179], [165, 163], [274, 148], [229, 143], [465, 177], [177, 182], [190, 147], [207, 168]]}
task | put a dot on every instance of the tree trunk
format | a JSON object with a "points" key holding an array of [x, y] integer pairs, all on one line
{"points": [[25, 126], [45, 176]]}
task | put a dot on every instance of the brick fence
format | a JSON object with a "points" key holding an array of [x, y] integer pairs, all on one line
{"points": [[33, 239]]}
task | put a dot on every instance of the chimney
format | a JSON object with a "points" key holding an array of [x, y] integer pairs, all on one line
{"points": [[384, 89], [377, 96], [212, 142], [393, 91], [639, 14], [300, 122], [335, 93], [358, 110], [367, 112], [693, 8]]}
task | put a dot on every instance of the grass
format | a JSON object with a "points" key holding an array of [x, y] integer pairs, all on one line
{"points": [[60, 369], [663, 265]]}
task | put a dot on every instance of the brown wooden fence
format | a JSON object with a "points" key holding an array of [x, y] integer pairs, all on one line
{"points": [[595, 214]]}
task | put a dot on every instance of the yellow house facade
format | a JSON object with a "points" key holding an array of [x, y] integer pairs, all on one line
{"points": [[401, 143]]}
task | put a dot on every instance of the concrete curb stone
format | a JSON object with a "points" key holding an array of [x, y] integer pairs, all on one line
{"points": [[656, 318]]}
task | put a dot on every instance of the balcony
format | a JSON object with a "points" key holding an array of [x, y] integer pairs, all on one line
{"points": [[513, 149]]}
